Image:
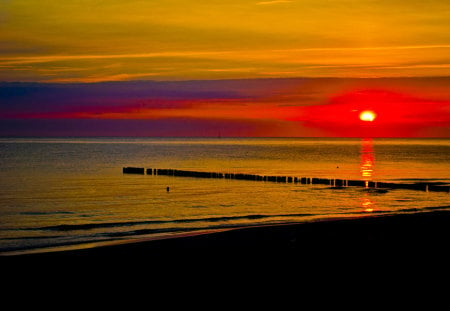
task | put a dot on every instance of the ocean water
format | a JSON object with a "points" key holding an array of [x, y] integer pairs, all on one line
{"points": [[67, 191]]}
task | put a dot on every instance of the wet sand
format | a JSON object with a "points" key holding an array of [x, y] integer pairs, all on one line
{"points": [[404, 236]]}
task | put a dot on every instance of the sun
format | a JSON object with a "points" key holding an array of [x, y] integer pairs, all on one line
{"points": [[367, 116]]}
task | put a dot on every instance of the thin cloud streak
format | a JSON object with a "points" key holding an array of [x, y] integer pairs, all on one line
{"points": [[93, 79], [53, 58]]}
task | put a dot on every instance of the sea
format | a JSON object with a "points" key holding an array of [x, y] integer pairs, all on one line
{"points": [[71, 192]]}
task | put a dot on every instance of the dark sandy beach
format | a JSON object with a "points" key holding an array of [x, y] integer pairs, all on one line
{"points": [[386, 236]]}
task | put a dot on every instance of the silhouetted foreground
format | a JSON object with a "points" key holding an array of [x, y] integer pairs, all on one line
{"points": [[386, 236]]}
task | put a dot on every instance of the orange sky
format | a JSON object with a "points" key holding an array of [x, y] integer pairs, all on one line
{"points": [[389, 56], [92, 41]]}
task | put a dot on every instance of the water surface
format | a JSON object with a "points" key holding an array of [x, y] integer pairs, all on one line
{"points": [[72, 190]]}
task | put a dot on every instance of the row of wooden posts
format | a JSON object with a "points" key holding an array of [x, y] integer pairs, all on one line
{"points": [[333, 182]]}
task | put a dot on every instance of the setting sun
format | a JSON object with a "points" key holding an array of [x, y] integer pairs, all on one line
{"points": [[368, 116]]}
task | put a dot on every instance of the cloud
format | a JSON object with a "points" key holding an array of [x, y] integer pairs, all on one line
{"points": [[15, 60], [241, 62], [56, 58], [100, 78]]}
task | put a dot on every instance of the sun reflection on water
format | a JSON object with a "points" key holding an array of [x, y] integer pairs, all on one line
{"points": [[367, 204], [367, 160], [367, 172]]}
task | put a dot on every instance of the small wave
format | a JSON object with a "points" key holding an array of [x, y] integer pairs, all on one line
{"points": [[373, 212], [62, 240], [431, 208], [47, 213], [159, 230], [88, 226], [375, 190], [198, 206], [31, 237], [408, 210], [436, 207], [141, 232]]}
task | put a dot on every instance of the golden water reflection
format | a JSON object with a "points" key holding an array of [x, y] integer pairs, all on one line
{"points": [[367, 204], [367, 172], [367, 159]]}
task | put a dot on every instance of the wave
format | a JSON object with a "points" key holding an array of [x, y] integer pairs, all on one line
{"points": [[47, 213], [91, 226], [432, 208], [215, 223], [63, 239], [88, 226]]}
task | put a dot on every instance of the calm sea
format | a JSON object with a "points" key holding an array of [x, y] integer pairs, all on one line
{"points": [[63, 191]]}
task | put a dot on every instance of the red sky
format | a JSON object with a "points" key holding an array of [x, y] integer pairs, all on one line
{"points": [[404, 107]]}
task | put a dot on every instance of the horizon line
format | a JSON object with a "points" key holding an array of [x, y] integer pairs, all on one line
{"points": [[227, 137], [231, 79]]}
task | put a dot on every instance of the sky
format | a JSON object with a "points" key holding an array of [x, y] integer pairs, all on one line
{"points": [[238, 67]]}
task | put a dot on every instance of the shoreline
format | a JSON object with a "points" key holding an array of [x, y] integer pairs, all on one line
{"points": [[418, 233]]}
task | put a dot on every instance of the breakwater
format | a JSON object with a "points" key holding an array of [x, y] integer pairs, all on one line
{"points": [[332, 182]]}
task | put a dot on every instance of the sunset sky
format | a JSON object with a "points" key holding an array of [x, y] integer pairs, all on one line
{"points": [[238, 67]]}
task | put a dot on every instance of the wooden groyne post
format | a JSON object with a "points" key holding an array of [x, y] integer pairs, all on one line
{"points": [[133, 170], [332, 182]]}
